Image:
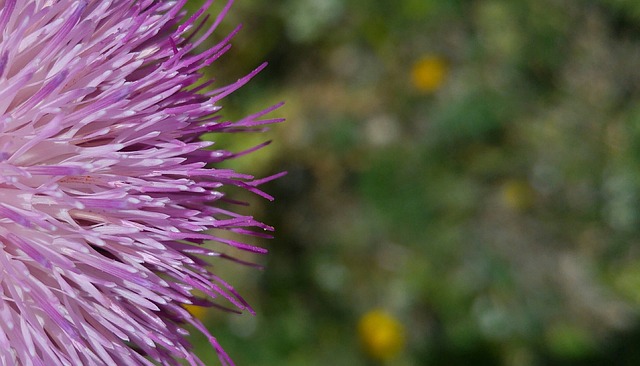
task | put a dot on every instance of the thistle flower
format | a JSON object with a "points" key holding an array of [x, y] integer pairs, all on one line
{"points": [[106, 190]]}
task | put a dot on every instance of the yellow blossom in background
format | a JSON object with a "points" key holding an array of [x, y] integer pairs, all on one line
{"points": [[199, 312], [381, 334], [428, 73], [518, 195]]}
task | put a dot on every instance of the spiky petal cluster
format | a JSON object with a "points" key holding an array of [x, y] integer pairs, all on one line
{"points": [[105, 191]]}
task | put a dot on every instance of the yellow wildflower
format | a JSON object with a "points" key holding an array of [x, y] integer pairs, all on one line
{"points": [[381, 334], [518, 195], [428, 73], [199, 312]]}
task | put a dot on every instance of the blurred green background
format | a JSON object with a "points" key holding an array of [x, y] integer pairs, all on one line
{"points": [[463, 187]]}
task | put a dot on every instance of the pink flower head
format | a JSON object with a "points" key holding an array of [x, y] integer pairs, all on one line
{"points": [[106, 191]]}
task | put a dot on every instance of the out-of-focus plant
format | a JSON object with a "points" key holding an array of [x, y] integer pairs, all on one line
{"points": [[471, 167], [381, 335]]}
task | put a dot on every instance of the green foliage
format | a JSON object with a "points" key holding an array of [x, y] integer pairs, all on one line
{"points": [[494, 212]]}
